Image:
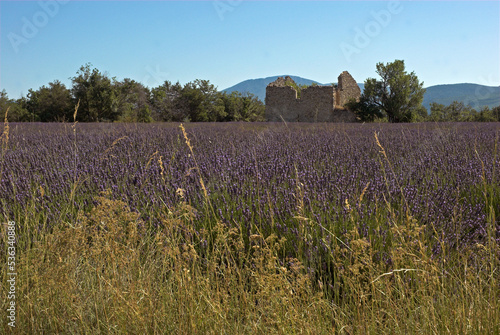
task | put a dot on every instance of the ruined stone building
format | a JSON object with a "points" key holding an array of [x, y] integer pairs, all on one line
{"points": [[316, 103]]}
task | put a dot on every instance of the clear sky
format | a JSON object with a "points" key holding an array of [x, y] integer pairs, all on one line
{"points": [[227, 42]]}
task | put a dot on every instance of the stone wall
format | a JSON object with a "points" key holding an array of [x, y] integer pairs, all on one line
{"points": [[316, 103], [347, 88], [281, 102]]}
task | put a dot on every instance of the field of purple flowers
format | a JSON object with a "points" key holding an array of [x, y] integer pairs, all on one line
{"points": [[341, 197], [262, 176]]}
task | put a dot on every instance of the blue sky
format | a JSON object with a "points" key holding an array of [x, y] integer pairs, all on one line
{"points": [[227, 42]]}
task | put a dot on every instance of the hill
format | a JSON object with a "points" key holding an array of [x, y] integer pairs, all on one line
{"points": [[475, 95], [258, 86]]}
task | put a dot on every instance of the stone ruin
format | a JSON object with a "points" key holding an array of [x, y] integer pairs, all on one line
{"points": [[316, 103]]}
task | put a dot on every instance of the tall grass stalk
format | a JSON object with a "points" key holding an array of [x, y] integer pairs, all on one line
{"points": [[5, 139]]}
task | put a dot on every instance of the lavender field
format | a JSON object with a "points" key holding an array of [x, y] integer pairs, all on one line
{"points": [[259, 174], [353, 204]]}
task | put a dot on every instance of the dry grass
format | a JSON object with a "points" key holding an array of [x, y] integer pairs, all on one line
{"points": [[109, 273]]}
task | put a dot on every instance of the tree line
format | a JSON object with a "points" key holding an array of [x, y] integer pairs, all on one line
{"points": [[105, 99], [396, 97], [458, 111]]}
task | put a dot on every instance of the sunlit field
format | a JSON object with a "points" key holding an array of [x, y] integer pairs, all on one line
{"points": [[244, 228]]}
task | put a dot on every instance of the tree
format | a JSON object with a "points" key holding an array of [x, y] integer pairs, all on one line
{"points": [[420, 114], [202, 101], [365, 111], [233, 104], [131, 98], [457, 111], [437, 112], [485, 114], [95, 92], [144, 114], [17, 109], [242, 107], [252, 109], [52, 103], [298, 88], [4, 102], [398, 94], [496, 113], [166, 103]]}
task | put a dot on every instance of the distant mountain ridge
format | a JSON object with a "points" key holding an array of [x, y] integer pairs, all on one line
{"points": [[258, 86], [474, 95]]}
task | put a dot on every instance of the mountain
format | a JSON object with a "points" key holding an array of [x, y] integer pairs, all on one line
{"points": [[475, 95], [258, 86]]}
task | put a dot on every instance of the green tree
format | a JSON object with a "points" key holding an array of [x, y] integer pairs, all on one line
{"points": [[456, 111], [242, 107], [485, 114], [52, 103], [203, 102], [365, 110], [420, 114], [144, 114], [131, 98], [252, 109], [166, 103], [398, 93], [437, 112], [4, 102], [496, 113], [233, 104], [96, 94], [19, 113], [17, 109]]}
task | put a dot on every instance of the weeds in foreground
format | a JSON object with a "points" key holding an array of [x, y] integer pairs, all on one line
{"points": [[110, 273]]}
